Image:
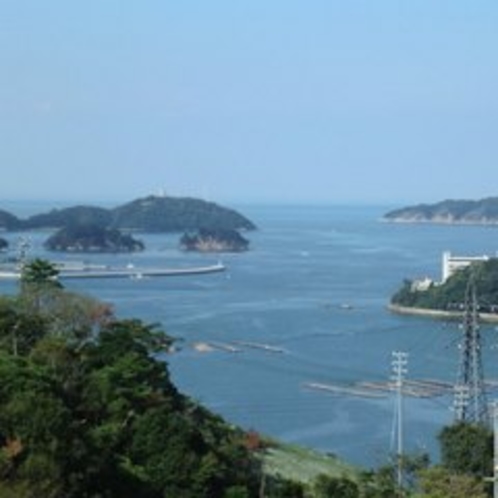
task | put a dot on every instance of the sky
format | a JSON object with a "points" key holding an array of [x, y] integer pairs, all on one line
{"points": [[285, 101]]}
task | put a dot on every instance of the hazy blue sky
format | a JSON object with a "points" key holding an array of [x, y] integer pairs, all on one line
{"points": [[268, 100]]}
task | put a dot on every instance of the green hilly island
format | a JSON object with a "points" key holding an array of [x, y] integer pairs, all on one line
{"points": [[450, 296], [149, 214], [483, 211]]}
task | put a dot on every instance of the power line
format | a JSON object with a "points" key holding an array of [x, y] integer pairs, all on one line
{"points": [[470, 402]]}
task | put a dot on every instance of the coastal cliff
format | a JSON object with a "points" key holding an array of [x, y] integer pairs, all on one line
{"points": [[206, 240]]}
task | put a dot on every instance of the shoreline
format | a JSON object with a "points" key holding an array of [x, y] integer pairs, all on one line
{"points": [[439, 314], [442, 221]]}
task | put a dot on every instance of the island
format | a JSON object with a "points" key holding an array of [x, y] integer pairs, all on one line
{"points": [[92, 238], [153, 214], [8, 221], [3, 245], [214, 240], [170, 214], [482, 212], [446, 299]]}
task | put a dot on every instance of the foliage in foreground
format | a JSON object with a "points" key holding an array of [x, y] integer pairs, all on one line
{"points": [[87, 411]]}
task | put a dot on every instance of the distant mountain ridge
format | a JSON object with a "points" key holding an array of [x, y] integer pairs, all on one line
{"points": [[148, 214], [483, 211]]}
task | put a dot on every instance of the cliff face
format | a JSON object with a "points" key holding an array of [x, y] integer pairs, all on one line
{"points": [[206, 240], [484, 211]]}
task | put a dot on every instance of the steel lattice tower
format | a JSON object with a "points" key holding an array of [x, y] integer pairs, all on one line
{"points": [[470, 395]]}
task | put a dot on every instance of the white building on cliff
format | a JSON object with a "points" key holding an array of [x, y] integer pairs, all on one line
{"points": [[451, 263]]}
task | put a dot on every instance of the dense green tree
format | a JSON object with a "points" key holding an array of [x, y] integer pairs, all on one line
{"points": [[39, 284], [438, 482], [326, 486], [467, 449], [98, 416], [39, 272], [33, 418], [379, 483], [277, 487], [19, 331]]}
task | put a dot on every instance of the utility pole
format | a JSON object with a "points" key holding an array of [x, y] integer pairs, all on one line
{"points": [[470, 398], [494, 479], [399, 363], [495, 449]]}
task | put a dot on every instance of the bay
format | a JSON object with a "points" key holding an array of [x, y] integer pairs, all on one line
{"points": [[315, 286]]}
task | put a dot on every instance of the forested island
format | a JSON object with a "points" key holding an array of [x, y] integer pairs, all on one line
{"points": [[214, 240], [449, 297], [148, 214], [92, 238], [484, 211]]}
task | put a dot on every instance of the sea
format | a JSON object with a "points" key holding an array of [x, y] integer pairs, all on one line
{"points": [[306, 305]]}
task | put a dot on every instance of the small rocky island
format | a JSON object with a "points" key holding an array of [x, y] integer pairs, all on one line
{"points": [[480, 212], [214, 240], [92, 238]]}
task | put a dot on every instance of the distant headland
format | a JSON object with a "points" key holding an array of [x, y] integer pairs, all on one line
{"points": [[149, 214], [468, 212]]}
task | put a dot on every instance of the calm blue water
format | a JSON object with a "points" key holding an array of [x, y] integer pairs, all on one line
{"points": [[287, 291]]}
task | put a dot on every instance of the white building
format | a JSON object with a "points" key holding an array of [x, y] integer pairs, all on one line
{"points": [[451, 264], [421, 284]]}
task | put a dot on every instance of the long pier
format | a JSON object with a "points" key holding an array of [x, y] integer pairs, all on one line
{"points": [[120, 272]]}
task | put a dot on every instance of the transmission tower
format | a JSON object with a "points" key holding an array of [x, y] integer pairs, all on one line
{"points": [[470, 397]]}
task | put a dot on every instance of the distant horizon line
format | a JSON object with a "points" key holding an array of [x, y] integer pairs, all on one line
{"points": [[114, 201]]}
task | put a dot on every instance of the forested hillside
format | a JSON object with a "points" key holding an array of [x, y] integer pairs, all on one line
{"points": [[87, 411], [483, 211]]}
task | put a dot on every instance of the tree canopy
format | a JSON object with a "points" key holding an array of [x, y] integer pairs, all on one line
{"points": [[86, 410]]}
